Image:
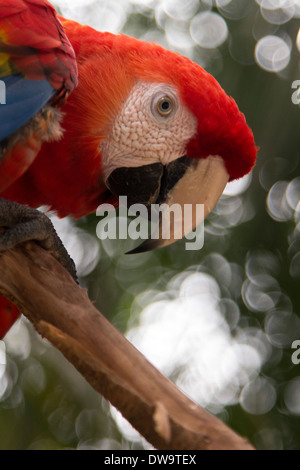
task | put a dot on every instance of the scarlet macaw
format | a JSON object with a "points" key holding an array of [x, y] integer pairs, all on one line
{"points": [[143, 122]]}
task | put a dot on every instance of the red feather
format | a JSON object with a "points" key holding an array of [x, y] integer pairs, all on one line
{"points": [[9, 313], [35, 43], [67, 175], [108, 67]]}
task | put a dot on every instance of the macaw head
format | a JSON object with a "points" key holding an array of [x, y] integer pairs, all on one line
{"points": [[167, 132]]}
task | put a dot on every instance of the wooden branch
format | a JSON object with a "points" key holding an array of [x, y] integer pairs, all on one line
{"points": [[62, 313]]}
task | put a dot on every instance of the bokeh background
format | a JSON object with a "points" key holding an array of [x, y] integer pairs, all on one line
{"points": [[220, 322]]}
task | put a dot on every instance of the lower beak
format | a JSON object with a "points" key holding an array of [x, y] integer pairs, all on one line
{"points": [[175, 193]]}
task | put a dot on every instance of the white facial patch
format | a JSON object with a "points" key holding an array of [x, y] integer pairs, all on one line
{"points": [[152, 126]]}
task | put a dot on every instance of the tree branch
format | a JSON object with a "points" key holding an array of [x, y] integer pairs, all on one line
{"points": [[62, 313]]}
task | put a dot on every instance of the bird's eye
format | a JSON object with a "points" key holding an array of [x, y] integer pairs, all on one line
{"points": [[165, 106]]}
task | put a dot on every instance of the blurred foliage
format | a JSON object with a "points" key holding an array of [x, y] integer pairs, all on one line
{"points": [[219, 321]]}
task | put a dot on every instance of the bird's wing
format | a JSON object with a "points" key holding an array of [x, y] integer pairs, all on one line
{"points": [[37, 61]]}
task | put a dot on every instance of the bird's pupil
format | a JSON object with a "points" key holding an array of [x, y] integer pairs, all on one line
{"points": [[164, 106]]}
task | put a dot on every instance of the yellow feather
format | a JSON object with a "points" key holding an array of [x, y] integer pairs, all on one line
{"points": [[5, 68]]}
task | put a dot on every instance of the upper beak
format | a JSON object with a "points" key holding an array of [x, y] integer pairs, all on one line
{"points": [[177, 190]]}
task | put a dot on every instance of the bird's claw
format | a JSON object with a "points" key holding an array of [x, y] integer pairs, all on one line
{"points": [[23, 224]]}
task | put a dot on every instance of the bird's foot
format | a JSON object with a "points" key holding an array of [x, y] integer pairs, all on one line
{"points": [[24, 224]]}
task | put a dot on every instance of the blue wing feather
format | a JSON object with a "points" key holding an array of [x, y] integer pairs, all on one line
{"points": [[23, 99]]}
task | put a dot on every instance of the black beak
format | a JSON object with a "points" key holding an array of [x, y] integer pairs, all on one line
{"points": [[184, 181], [148, 184]]}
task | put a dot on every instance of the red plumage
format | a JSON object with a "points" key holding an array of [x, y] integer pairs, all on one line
{"points": [[35, 43], [67, 175], [108, 67]]}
